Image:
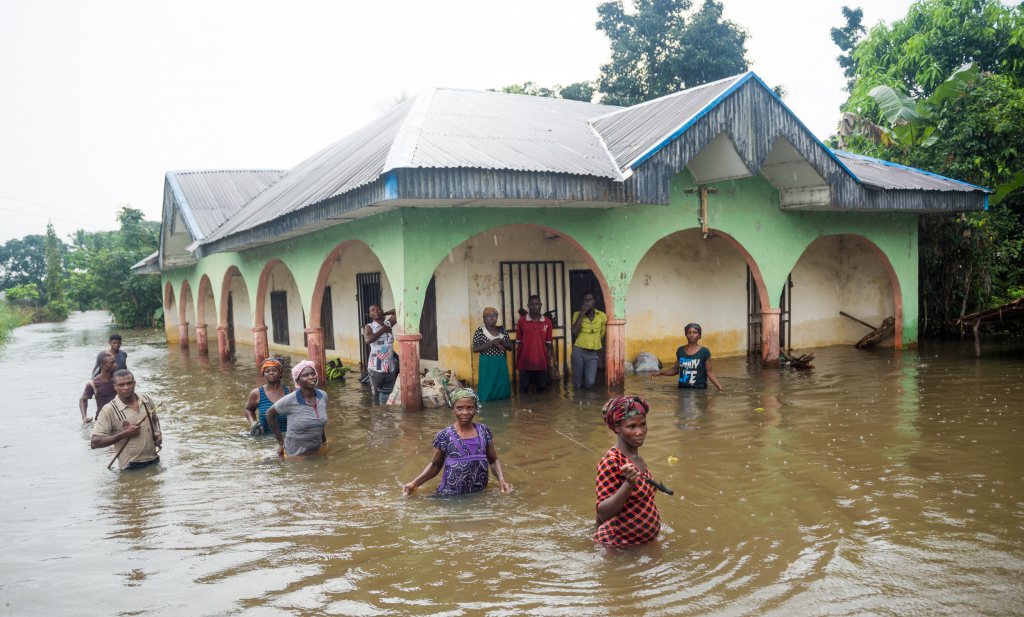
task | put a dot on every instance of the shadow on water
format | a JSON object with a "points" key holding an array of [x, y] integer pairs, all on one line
{"points": [[881, 482]]}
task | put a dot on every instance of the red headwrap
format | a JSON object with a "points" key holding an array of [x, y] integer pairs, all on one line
{"points": [[271, 362], [621, 407]]}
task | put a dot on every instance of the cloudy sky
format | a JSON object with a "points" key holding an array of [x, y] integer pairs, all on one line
{"points": [[101, 97]]}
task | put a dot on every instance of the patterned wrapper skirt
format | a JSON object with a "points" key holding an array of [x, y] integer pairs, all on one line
{"points": [[494, 383]]}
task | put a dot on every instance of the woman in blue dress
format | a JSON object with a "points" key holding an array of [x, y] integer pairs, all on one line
{"points": [[464, 451]]}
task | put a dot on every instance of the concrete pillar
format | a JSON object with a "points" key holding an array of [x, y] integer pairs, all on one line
{"points": [[615, 352], [223, 346], [260, 345], [409, 354], [770, 324], [315, 347], [201, 342], [183, 335]]}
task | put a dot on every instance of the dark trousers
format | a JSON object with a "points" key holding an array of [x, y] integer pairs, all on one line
{"points": [[382, 384], [539, 379]]}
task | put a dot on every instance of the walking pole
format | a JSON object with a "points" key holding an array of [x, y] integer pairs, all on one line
{"points": [[125, 444], [658, 485]]}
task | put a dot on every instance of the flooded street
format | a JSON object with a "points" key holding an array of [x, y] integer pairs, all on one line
{"points": [[881, 483]]}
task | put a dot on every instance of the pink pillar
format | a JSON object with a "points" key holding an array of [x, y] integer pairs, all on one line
{"points": [[183, 335], [315, 347], [615, 353], [223, 347], [409, 376], [201, 341], [770, 336], [261, 347]]}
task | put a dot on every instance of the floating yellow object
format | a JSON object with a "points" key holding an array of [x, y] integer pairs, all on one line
{"points": [[759, 409], [672, 460]]}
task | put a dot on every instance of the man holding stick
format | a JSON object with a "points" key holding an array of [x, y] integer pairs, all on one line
{"points": [[129, 420]]}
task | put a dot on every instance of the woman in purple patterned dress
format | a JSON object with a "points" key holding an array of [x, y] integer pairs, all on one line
{"points": [[464, 451]]}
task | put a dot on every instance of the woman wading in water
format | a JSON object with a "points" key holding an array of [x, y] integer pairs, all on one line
{"points": [[626, 512], [306, 409], [464, 450]]}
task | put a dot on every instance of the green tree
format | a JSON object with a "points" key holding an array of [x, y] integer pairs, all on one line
{"points": [[846, 38], [54, 267], [936, 37], [656, 52], [22, 261], [967, 261], [578, 91], [25, 295], [132, 300]]}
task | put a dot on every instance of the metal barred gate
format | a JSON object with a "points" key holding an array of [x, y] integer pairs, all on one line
{"points": [[547, 279]]}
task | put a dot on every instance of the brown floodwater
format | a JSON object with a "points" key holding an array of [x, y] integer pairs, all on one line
{"points": [[880, 483]]}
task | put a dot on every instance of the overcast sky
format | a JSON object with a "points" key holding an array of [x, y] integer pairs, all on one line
{"points": [[101, 97]]}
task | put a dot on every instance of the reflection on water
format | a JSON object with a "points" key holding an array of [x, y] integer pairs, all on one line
{"points": [[879, 483]]}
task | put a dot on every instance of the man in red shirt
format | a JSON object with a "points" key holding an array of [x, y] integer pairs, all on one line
{"points": [[533, 340]]}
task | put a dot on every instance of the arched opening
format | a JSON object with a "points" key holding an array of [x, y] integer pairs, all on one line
{"points": [[351, 278], [187, 310], [205, 303], [279, 308], [847, 273], [686, 278], [235, 311], [170, 315], [501, 267]]}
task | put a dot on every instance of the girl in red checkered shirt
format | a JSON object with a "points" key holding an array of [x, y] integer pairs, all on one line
{"points": [[626, 513]]}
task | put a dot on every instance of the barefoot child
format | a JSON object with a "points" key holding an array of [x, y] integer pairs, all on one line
{"points": [[626, 513], [464, 450]]}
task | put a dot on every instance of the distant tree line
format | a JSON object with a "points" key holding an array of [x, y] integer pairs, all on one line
{"points": [[43, 277]]}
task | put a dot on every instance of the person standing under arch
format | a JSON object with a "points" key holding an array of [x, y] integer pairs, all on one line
{"points": [[588, 330], [382, 364], [533, 338]]}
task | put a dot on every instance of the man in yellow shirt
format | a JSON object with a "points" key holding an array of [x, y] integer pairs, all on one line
{"points": [[588, 328]]}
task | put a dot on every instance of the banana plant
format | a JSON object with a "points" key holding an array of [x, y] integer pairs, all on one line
{"points": [[911, 122]]}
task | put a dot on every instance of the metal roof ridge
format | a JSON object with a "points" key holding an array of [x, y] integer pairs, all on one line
{"points": [[667, 96], [619, 176], [688, 122], [403, 146], [886, 163], [222, 171]]}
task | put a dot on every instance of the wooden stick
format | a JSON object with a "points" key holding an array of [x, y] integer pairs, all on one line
{"points": [[125, 444], [863, 323]]}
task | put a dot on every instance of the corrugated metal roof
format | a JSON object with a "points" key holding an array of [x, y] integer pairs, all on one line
{"points": [[497, 132], [208, 198], [886, 175], [442, 128], [493, 130], [148, 265], [634, 132], [346, 165]]}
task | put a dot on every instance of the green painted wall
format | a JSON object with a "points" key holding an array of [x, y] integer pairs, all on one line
{"points": [[411, 242]]}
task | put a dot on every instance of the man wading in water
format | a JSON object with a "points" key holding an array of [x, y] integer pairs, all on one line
{"points": [[102, 386], [126, 418]]}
